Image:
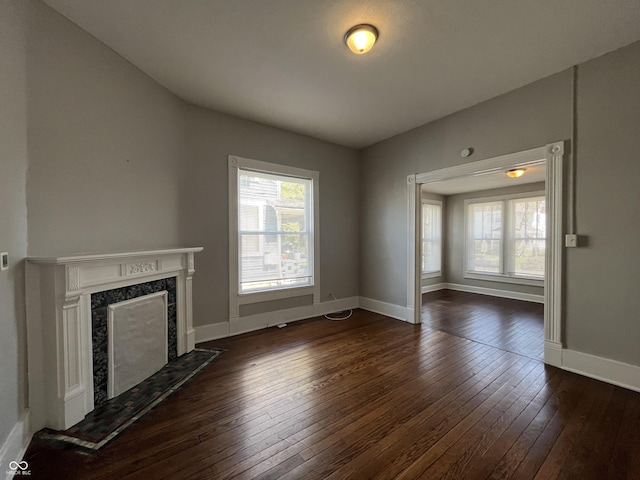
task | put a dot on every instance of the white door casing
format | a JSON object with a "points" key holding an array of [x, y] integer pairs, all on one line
{"points": [[551, 154]]}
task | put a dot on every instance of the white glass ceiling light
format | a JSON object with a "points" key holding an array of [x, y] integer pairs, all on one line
{"points": [[361, 38], [516, 172]]}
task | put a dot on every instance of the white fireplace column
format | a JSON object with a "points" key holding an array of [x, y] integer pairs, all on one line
{"points": [[60, 356]]}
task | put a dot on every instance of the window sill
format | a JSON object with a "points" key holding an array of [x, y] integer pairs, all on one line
{"points": [[276, 294], [492, 277], [431, 275]]}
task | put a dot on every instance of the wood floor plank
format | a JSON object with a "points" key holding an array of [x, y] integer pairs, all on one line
{"points": [[347, 402], [200, 455], [592, 450], [361, 439], [463, 395], [509, 428], [512, 325], [456, 460], [564, 403], [508, 452], [625, 456], [423, 429], [555, 460], [336, 429]]}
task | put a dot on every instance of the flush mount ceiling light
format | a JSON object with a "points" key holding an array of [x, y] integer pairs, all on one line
{"points": [[361, 38], [516, 172]]}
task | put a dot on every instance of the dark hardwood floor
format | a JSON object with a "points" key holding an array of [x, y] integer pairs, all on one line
{"points": [[512, 325], [370, 397]]}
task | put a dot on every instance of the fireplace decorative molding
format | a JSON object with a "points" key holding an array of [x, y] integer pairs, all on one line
{"points": [[60, 358]]}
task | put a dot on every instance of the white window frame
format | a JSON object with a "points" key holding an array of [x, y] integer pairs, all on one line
{"points": [[435, 273], [235, 297], [503, 276]]}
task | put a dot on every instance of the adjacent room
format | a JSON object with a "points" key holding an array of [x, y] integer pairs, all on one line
{"points": [[483, 258], [319, 239]]}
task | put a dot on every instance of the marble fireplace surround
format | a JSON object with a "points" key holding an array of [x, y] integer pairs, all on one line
{"points": [[102, 304], [59, 322]]}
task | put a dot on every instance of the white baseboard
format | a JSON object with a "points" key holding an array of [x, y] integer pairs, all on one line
{"points": [[237, 326], [494, 292], [604, 369], [434, 288], [259, 321], [398, 312], [553, 353], [15, 447], [213, 331], [250, 323]]}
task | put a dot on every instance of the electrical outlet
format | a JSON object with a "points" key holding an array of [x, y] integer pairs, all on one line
{"points": [[4, 261], [571, 240]]}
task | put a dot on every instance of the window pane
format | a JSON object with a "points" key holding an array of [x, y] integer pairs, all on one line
{"points": [[529, 218], [283, 263], [528, 236], [529, 257], [485, 256], [431, 237], [249, 217], [485, 235], [273, 239]]}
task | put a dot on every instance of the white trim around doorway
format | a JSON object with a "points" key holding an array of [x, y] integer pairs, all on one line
{"points": [[551, 154]]}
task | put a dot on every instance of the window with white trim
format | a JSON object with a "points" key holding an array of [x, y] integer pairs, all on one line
{"points": [[431, 238], [275, 242], [273, 234], [506, 237]]}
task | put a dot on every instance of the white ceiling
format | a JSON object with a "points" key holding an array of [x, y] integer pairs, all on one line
{"points": [[284, 63], [486, 181]]}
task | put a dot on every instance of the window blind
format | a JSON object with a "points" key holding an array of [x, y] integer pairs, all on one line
{"points": [[274, 236]]}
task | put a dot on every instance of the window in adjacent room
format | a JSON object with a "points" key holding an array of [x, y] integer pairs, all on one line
{"points": [[273, 215], [506, 238], [431, 238]]}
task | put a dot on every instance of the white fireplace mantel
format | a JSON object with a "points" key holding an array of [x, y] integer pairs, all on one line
{"points": [[59, 322]]}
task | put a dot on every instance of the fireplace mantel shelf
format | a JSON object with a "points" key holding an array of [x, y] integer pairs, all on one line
{"points": [[59, 322], [92, 257]]}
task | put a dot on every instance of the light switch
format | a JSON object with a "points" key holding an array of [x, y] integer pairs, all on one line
{"points": [[571, 240], [4, 261]]}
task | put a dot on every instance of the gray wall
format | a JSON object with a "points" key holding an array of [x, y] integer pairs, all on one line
{"points": [[603, 278], [115, 162], [211, 137], [529, 117], [455, 239], [106, 145], [13, 214], [118, 163]]}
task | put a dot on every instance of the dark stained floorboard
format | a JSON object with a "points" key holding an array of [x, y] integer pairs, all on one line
{"points": [[373, 397], [513, 325]]}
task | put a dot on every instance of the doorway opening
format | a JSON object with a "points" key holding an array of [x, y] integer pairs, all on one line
{"points": [[483, 258], [547, 161]]}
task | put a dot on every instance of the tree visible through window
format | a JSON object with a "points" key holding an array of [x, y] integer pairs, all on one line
{"points": [[507, 237], [274, 236], [528, 236]]}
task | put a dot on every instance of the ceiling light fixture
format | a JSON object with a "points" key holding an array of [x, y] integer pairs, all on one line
{"points": [[516, 172], [360, 39]]}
